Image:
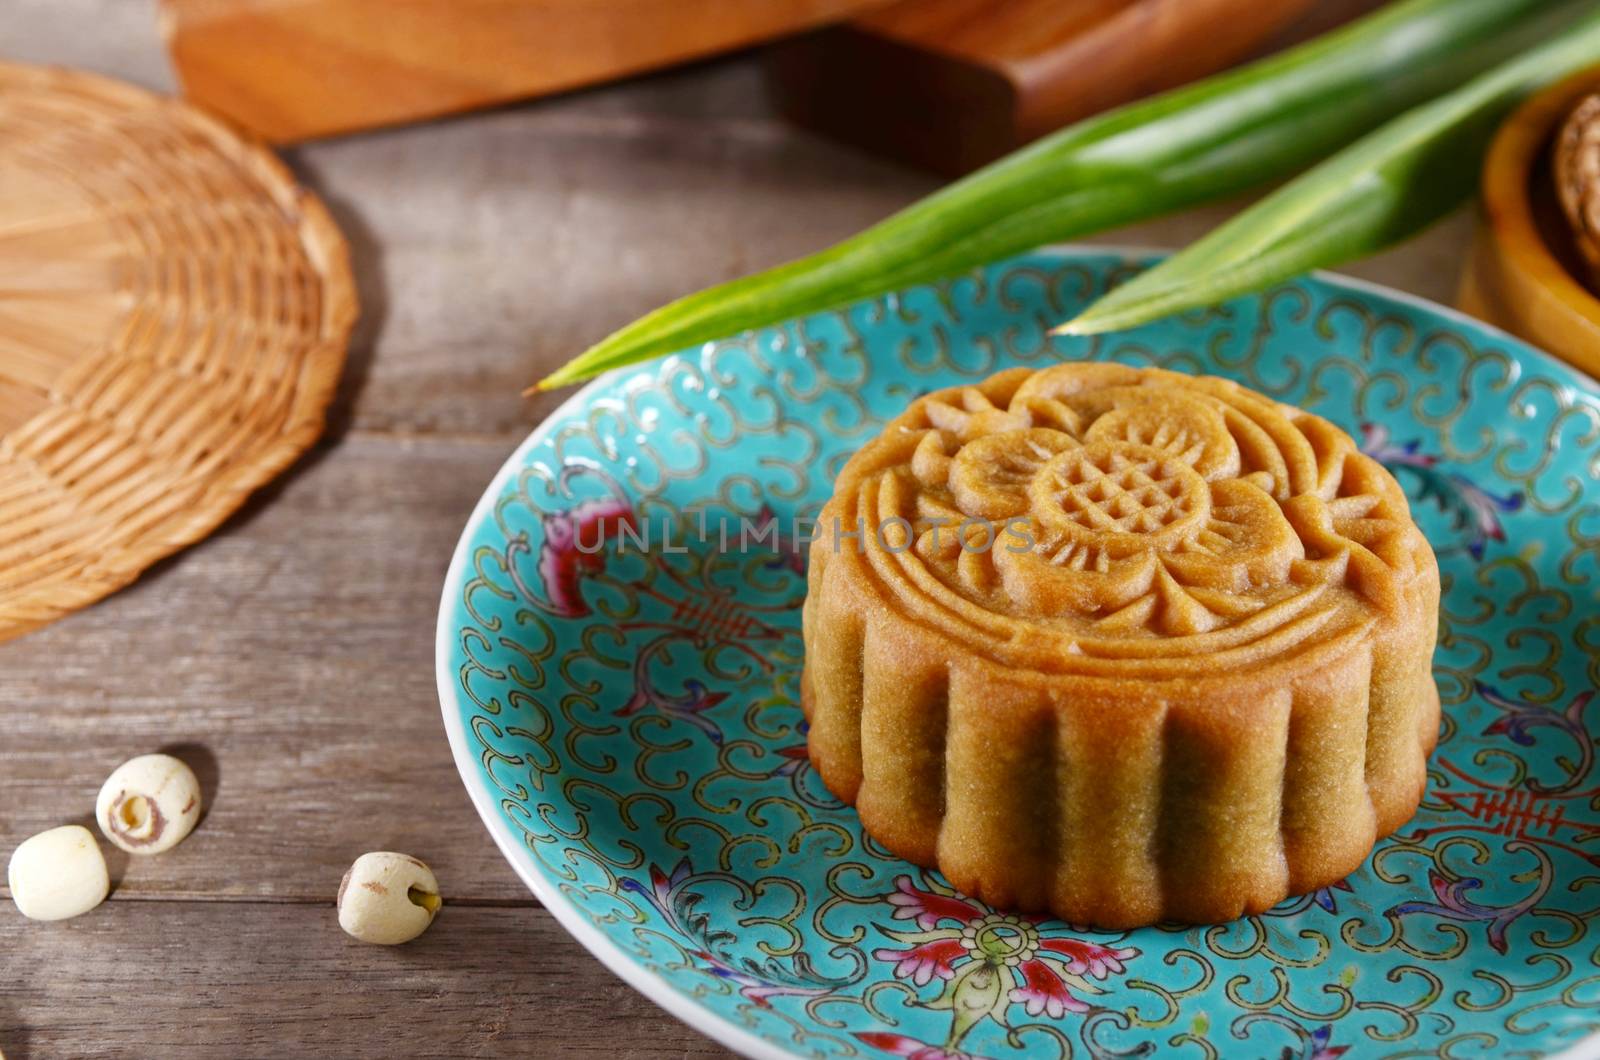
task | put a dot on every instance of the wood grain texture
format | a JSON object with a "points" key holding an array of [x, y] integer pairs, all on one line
{"points": [[953, 84], [495, 247], [169, 980], [297, 69], [290, 655], [289, 658]]}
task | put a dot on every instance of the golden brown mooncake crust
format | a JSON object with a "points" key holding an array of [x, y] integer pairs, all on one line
{"points": [[1189, 676]]}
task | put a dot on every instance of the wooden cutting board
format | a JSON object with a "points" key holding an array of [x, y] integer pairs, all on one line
{"points": [[296, 69], [953, 84]]}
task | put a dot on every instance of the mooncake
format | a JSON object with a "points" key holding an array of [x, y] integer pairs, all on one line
{"points": [[1122, 645]]}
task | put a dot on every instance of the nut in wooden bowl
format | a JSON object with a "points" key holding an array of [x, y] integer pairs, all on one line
{"points": [[1577, 177], [1533, 268]]}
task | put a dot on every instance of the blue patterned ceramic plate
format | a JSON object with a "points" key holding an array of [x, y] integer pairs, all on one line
{"points": [[627, 720]]}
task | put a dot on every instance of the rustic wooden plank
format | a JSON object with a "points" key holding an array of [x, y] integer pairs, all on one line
{"points": [[191, 979], [294, 648], [293, 651], [494, 248], [292, 70], [553, 270], [295, 645], [491, 248]]}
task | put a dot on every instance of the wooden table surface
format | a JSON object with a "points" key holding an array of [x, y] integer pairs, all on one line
{"points": [[290, 656]]}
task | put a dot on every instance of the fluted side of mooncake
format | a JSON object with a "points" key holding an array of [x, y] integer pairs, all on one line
{"points": [[1246, 735]]}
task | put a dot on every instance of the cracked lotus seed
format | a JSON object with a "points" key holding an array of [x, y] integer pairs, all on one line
{"points": [[387, 898], [148, 804], [58, 874]]}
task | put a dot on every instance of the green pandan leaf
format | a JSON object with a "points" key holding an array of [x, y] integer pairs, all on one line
{"points": [[1383, 188], [1217, 137]]}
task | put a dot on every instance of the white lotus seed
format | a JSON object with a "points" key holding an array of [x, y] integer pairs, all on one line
{"points": [[387, 898], [148, 804], [58, 874]]}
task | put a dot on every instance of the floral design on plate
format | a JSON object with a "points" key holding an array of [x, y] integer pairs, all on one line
{"points": [[990, 961], [626, 719]]}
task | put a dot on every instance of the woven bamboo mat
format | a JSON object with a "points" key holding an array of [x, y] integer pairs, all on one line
{"points": [[174, 313]]}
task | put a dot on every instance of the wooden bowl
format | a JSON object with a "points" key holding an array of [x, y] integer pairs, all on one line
{"points": [[1524, 273]]}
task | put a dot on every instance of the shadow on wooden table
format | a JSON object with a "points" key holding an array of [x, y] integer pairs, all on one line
{"points": [[372, 292]]}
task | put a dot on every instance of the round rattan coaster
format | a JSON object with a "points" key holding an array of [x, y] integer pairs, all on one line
{"points": [[174, 312]]}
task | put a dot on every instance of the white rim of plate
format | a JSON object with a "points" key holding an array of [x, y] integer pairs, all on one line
{"points": [[621, 964]]}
